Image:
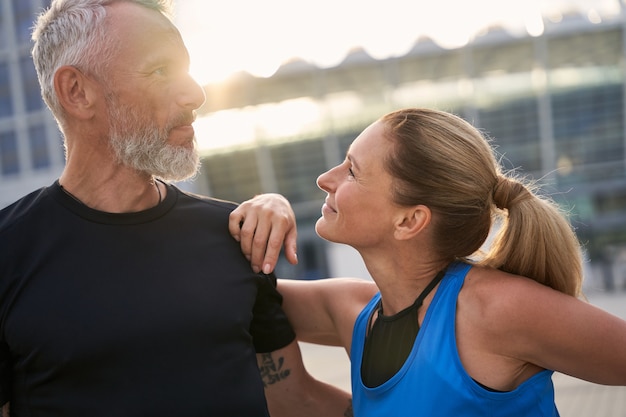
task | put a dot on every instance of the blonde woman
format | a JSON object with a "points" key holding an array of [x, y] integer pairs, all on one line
{"points": [[447, 331]]}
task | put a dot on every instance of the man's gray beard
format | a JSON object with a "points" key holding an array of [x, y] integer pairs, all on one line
{"points": [[140, 145]]}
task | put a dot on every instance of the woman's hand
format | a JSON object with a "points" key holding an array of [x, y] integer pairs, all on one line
{"points": [[263, 225]]}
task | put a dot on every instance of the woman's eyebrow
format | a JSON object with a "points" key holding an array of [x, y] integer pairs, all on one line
{"points": [[352, 162]]}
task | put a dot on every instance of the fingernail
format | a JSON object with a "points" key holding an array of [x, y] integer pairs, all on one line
{"points": [[256, 269], [267, 269]]}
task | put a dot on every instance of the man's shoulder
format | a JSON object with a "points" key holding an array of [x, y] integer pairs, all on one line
{"points": [[207, 202], [20, 209]]}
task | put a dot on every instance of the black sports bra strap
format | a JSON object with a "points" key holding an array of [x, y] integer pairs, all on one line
{"points": [[390, 339], [420, 298], [432, 284]]}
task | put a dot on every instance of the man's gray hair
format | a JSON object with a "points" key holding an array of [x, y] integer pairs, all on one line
{"points": [[72, 32]]}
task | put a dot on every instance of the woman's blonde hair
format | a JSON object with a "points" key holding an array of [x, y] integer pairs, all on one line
{"points": [[443, 162]]}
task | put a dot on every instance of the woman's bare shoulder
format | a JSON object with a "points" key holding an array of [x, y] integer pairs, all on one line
{"points": [[495, 297]]}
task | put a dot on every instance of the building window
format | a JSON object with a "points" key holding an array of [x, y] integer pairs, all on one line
{"points": [[9, 159], [514, 128], [32, 93], [296, 166], [233, 176], [588, 132], [39, 152], [6, 105], [312, 261], [23, 17], [3, 28]]}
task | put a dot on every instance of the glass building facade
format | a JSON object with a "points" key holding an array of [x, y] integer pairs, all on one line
{"points": [[553, 106], [31, 151]]}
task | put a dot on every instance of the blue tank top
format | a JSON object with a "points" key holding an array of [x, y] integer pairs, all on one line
{"points": [[432, 381]]}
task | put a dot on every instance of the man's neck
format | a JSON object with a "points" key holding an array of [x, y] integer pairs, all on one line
{"points": [[113, 193]]}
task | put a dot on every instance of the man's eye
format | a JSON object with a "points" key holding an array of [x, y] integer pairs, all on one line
{"points": [[350, 172]]}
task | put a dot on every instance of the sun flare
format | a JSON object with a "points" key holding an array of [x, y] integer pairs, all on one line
{"points": [[225, 37]]}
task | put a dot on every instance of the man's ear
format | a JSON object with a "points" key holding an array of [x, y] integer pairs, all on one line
{"points": [[412, 221], [75, 92]]}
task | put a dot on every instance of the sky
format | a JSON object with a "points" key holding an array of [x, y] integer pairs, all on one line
{"points": [[226, 36], [258, 36]]}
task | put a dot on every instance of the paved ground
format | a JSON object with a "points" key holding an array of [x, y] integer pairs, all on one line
{"points": [[575, 398]]}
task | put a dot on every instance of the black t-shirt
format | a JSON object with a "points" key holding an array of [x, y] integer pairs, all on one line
{"points": [[136, 314]]}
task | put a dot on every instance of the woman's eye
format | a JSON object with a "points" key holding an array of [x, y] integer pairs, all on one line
{"points": [[350, 172]]}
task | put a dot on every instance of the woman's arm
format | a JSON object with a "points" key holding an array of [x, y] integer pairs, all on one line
{"points": [[291, 391], [555, 331], [324, 311]]}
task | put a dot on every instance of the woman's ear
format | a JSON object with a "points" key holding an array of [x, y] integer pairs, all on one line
{"points": [[412, 221], [75, 92]]}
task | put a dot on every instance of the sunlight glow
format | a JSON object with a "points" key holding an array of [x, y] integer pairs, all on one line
{"points": [[241, 127], [225, 37], [230, 36]]}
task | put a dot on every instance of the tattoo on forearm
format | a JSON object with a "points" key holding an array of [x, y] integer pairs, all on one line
{"points": [[349, 412], [271, 370]]}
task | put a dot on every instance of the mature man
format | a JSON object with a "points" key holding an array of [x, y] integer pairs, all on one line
{"points": [[121, 295]]}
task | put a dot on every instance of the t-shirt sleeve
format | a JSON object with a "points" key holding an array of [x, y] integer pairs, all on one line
{"points": [[5, 374], [270, 327]]}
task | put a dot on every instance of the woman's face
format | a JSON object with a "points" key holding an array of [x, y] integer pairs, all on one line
{"points": [[359, 210]]}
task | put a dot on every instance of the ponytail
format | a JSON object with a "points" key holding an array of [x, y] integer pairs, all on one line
{"points": [[535, 239], [445, 163]]}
